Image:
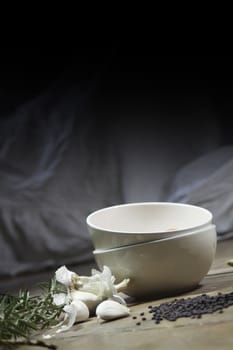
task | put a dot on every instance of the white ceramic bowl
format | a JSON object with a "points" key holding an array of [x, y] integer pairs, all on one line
{"points": [[163, 267], [126, 224]]}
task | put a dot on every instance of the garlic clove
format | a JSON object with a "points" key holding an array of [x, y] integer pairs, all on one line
{"points": [[82, 311], [110, 310], [90, 299], [118, 298], [75, 312]]}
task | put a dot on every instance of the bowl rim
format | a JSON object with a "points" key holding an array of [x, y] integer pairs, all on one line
{"points": [[175, 204], [157, 241]]}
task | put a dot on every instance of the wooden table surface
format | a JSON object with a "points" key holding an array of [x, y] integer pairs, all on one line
{"points": [[213, 331]]}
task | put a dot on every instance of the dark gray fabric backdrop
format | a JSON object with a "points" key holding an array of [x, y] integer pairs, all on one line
{"points": [[65, 152]]}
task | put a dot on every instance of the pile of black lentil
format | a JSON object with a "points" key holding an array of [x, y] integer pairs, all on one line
{"points": [[188, 307]]}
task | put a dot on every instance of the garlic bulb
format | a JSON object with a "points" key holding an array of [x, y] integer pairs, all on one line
{"points": [[88, 294], [110, 310], [100, 284]]}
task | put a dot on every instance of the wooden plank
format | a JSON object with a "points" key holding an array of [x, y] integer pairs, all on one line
{"points": [[126, 334], [204, 337], [211, 332]]}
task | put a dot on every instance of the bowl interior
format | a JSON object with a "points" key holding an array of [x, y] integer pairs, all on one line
{"points": [[149, 218]]}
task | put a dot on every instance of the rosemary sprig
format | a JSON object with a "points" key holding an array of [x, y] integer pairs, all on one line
{"points": [[24, 314]]}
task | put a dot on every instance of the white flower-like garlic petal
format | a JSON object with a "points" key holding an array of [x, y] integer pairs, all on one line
{"points": [[100, 283], [110, 310], [64, 276]]}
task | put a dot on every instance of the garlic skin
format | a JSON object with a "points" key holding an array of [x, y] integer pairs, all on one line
{"points": [[111, 310], [64, 276], [60, 299]]}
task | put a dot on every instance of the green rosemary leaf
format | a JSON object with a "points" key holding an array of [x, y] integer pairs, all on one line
{"points": [[24, 314]]}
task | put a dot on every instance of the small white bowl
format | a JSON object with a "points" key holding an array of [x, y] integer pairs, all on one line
{"points": [[163, 267], [132, 223]]}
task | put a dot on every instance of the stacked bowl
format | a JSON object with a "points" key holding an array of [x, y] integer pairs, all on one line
{"points": [[164, 248]]}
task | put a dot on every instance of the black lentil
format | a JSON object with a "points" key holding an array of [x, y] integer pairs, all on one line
{"points": [[190, 307]]}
